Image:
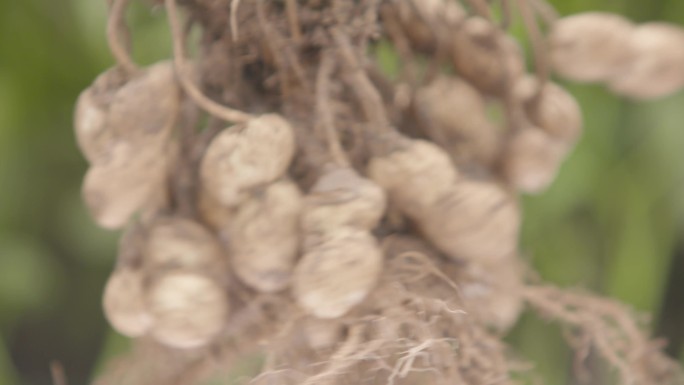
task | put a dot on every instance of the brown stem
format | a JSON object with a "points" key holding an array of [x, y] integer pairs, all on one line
{"points": [[182, 72], [234, 5], [325, 113], [369, 97], [409, 67], [116, 26], [545, 10], [482, 9], [505, 14], [293, 20], [541, 65]]}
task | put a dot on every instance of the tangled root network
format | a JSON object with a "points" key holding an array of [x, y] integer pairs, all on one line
{"points": [[294, 215]]}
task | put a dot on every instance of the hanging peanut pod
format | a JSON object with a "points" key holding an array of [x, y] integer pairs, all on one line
{"points": [[211, 211], [93, 134], [340, 197], [179, 243], [421, 20], [552, 108], [655, 66], [246, 156], [264, 236], [124, 302], [488, 59], [188, 309], [131, 180], [474, 220], [455, 115], [136, 110], [322, 333], [415, 175], [588, 47], [146, 107], [531, 160], [492, 293], [336, 272]]}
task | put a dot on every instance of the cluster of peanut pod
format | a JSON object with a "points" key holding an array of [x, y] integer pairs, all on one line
{"points": [[456, 183]]}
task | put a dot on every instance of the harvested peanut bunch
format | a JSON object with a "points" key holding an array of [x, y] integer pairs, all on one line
{"points": [[288, 202]]}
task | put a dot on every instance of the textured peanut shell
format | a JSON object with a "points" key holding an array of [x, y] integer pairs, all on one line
{"points": [[341, 197], [655, 67], [337, 273], [322, 333], [475, 220], [414, 176], [264, 237], [146, 107], [124, 303], [137, 109], [589, 47], [422, 20], [174, 242], [552, 108], [455, 114], [114, 191], [188, 309], [93, 136], [212, 212], [493, 293], [244, 157], [485, 57], [531, 160]]}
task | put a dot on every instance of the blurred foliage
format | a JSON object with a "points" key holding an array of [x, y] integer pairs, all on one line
{"points": [[612, 222]]}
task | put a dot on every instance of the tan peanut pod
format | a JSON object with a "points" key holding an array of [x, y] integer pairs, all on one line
{"points": [[247, 156], [115, 190], [655, 67], [212, 212], [485, 57], [341, 197], [422, 20], [188, 309], [322, 333], [174, 242], [337, 272], [552, 108], [531, 160], [492, 293], [456, 116], [475, 220], [415, 176], [146, 107], [134, 109], [264, 237], [588, 47], [93, 135], [124, 303]]}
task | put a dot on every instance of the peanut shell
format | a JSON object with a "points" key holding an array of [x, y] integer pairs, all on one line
{"points": [[264, 237], [188, 309], [337, 273], [247, 156]]}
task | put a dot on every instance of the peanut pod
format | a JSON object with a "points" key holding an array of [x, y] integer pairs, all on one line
{"points": [[336, 272], [247, 156], [588, 47], [188, 309], [264, 236]]}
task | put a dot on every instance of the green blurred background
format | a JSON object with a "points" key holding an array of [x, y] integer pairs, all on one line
{"points": [[613, 221]]}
